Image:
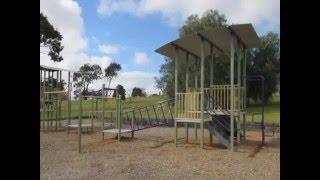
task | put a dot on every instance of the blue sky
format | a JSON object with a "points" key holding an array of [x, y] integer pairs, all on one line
{"points": [[128, 31]]}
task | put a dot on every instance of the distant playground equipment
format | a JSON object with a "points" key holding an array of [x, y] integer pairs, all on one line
{"points": [[219, 107], [57, 109]]}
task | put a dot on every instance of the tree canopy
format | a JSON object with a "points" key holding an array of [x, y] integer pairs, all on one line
{"points": [[121, 91], [138, 92], [265, 61], [111, 72], [85, 76], [51, 38]]}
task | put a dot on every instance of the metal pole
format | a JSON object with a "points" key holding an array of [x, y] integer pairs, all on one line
{"points": [[103, 94], [202, 93], [196, 89], [245, 91], [232, 92], [69, 102], [239, 91], [119, 115], [175, 93], [211, 83], [187, 89], [262, 119], [80, 124]]}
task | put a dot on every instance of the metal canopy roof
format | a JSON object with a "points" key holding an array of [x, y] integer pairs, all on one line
{"points": [[219, 38], [48, 68]]}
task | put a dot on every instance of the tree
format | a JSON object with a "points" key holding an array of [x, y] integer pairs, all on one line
{"points": [[111, 72], [160, 84], [265, 61], [50, 38], [194, 24], [85, 76], [138, 92], [121, 91]]}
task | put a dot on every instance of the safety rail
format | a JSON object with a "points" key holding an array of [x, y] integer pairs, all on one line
{"points": [[148, 116], [222, 93], [188, 105]]}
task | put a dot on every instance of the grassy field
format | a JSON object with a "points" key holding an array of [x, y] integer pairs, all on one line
{"points": [[272, 110]]}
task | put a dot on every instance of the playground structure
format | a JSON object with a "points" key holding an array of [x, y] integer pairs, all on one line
{"points": [[221, 107], [57, 109]]}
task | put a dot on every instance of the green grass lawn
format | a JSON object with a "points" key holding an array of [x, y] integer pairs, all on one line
{"points": [[272, 110]]}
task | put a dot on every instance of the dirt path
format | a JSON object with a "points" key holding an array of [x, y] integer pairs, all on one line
{"points": [[152, 155]]}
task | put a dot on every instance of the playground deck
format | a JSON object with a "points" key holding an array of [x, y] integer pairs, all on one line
{"points": [[152, 155]]}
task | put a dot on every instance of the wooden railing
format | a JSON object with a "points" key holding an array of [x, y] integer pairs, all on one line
{"points": [[220, 94], [188, 105]]}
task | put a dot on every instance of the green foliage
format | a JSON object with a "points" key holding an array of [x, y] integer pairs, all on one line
{"points": [[51, 38], [160, 84], [138, 92], [121, 91], [265, 61], [85, 76], [112, 71], [54, 83], [194, 24]]}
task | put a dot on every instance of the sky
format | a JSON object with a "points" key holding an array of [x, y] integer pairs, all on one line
{"points": [[128, 31]]}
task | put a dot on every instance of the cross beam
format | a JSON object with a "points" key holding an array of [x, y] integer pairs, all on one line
{"points": [[210, 42], [237, 36], [183, 49]]}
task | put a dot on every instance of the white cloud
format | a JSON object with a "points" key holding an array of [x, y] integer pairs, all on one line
{"points": [[65, 15], [108, 49], [176, 11], [141, 58]]}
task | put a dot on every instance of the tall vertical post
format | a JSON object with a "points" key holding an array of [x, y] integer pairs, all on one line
{"points": [[232, 93], [175, 93], [103, 95], [69, 102], [187, 89], [41, 98], [244, 91], [211, 83], [239, 91], [202, 93], [196, 88], [119, 116], [45, 99], [80, 123]]}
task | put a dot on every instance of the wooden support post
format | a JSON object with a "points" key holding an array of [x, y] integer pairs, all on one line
{"points": [[202, 94], [175, 92], [232, 93]]}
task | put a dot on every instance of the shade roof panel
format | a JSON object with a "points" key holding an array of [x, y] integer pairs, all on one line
{"points": [[219, 37]]}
